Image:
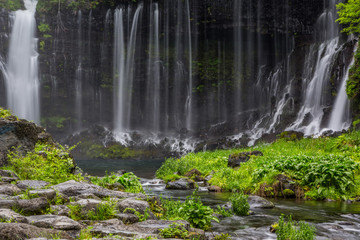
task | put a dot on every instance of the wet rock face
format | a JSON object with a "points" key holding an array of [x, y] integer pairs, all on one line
{"points": [[21, 134]]}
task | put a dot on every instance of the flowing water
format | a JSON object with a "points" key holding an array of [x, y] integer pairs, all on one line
{"points": [[21, 79]]}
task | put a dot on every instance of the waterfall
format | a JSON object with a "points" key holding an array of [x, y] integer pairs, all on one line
{"points": [[340, 117], [189, 101], [153, 78], [22, 83], [313, 106], [79, 75], [124, 69], [310, 117]]}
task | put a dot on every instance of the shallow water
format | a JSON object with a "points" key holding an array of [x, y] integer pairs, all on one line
{"points": [[142, 168], [333, 220]]}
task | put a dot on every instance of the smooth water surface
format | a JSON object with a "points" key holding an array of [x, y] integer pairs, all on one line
{"points": [[142, 168]]}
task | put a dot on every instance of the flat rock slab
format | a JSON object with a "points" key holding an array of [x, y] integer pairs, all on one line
{"points": [[72, 188], [46, 193], [259, 202], [10, 215], [32, 206], [138, 205], [15, 231], [153, 226], [54, 221], [7, 197], [31, 184], [9, 189], [87, 204], [128, 218], [60, 210]]}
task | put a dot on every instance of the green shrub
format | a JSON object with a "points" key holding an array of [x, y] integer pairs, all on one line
{"points": [[223, 212], [291, 230], [198, 215], [103, 211], [239, 203], [47, 163], [175, 230], [129, 181], [4, 113]]}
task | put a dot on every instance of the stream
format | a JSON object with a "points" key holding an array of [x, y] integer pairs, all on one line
{"points": [[333, 220]]}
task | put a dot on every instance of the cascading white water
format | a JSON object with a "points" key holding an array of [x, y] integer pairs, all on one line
{"points": [[22, 83], [189, 101], [123, 70], [340, 115], [79, 75], [313, 106]]}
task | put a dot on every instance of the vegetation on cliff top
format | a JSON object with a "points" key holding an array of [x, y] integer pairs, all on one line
{"points": [[324, 167], [349, 16]]}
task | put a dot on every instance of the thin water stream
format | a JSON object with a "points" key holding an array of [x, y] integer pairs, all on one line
{"points": [[333, 220]]}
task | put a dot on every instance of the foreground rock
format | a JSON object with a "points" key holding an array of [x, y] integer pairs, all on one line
{"points": [[31, 184], [22, 231], [72, 188], [181, 184], [54, 222], [27, 206], [20, 134], [8, 215]]}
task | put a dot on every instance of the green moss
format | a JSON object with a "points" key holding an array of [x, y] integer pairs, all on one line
{"points": [[288, 193], [353, 83], [4, 113]]}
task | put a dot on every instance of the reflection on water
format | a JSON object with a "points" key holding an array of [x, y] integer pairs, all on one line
{"points": [[142, 168]]}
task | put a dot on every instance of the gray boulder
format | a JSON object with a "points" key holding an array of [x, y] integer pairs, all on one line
{"points": [[181, 184], [236, 159], [10, 215], [8, 203], [33, 206], [259, 202], [138, 205], [31, 184], [127, 218], [72, 188], [54, 222], [49, 194], [12, 231], [9, 189], [61, 210]]}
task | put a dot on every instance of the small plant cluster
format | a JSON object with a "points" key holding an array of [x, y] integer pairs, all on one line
{"points": [[4, 113], [320, 172], [48, 162], [129, 181], [240, 204], [103, 211], [292, 230], [175, 230], [192, 210], [142, 217]]}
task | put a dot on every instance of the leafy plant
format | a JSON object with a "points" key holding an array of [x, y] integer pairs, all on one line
{"points": [[142, 217], [47, 162], [4, 113], [349, 16], [175, 230], [239, 203], [129, 181], [103, 211], [292, 230], [198, 215], [223, 212]]}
